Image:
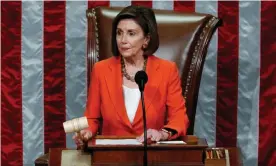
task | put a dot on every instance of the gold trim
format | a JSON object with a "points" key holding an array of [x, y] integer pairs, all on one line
{"points": [[94, 53], [195, 54]]}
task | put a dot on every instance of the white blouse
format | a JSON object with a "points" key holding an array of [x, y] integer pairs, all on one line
{"points": [[131, 98]]}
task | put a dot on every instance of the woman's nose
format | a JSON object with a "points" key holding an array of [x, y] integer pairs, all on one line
{"points": [[123, 39]]}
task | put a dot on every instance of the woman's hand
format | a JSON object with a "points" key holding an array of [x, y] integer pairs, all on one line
{"points": [[154, 135], [81, 137]]}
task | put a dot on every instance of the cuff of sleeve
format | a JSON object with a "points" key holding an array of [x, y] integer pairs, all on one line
{"points": [[179, 132], [93, 126]]}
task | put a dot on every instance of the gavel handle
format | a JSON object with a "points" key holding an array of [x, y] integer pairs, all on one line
{"points": [[80, 136]]}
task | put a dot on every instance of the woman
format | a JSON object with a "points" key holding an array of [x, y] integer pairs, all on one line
{"points": [[113, 94]]}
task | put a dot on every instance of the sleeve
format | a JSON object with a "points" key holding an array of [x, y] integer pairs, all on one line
{"points": [[177, 117], [92, 111]]}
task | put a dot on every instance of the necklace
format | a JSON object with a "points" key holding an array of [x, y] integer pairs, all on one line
{"points": [[124, 72]]}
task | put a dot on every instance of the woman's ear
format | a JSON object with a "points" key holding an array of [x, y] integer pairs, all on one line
{"points": [[146, 42]]}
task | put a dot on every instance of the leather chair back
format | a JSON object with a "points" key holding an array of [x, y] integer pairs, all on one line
{"points": [[184, 39]]}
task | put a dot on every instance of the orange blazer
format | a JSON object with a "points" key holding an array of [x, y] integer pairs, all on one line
{"points": [[164, 103]]}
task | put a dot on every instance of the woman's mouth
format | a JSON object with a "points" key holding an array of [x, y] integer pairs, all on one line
{"points": [[124, 49]]}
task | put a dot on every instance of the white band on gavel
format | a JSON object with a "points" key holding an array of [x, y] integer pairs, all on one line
{"points": [[75, 125]]}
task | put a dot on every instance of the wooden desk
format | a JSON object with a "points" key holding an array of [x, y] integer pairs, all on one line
{"points": [[55, 154], [158, 154], [180, 155]]}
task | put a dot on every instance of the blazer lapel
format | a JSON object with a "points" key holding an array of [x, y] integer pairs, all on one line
{"points": [[154, 80], [114, 84]]}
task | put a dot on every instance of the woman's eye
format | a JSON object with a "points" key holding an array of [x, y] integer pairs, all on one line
{"points": [[118, 33], [131, 33]]}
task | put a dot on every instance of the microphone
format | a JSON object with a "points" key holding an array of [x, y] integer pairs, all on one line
{"points": [[141, 78]]}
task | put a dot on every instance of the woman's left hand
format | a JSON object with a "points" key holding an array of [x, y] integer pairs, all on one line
{"points": [[154, 135]]}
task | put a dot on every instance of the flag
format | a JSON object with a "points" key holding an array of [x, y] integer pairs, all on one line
{"points": [[43, 76]]}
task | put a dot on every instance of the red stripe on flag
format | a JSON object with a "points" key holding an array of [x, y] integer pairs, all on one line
{"points": [[267, 105], [142, 3], [54, 74], [11, 85], [92, 4], [187, 6], [227, 74]]}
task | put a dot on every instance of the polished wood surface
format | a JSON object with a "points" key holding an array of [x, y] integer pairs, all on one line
{"points": [[55, 157], [158, 154]]}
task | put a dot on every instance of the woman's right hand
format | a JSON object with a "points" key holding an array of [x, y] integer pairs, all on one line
{"points": [[82, 137]]}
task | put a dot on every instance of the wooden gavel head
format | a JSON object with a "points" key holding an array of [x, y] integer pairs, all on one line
{"points": [[75, 125]]}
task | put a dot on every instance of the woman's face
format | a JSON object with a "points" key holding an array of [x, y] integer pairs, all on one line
{"points": [[130, 38]]}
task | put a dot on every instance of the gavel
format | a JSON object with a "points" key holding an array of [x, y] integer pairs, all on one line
{"points": [[75, 125]]}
